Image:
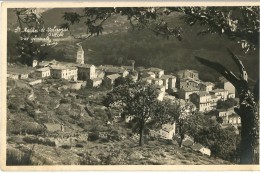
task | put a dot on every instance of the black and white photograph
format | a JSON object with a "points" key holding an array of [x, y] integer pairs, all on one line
{"points": [[131, 85]]}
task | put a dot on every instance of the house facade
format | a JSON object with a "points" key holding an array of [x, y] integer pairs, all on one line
{"points": [[86, 71], [166, 132], [225, 84], [43, 72], [206, 86], [59, 72], [96, 82], [72, 73], [222, 94], [202, 100], [192, 74], [110, 79], [185, 93], [157, 71]]}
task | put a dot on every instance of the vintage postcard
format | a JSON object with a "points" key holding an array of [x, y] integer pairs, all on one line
{"points": [[130, 86]]}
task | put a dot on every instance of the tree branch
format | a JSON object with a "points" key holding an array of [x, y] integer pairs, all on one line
{"points": [[222, 70], [243, 73]]}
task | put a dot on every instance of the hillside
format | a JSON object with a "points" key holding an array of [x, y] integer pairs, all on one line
{"points": [[34, 136]]}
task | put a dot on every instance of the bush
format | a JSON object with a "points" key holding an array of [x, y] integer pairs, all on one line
{"points": [[24, 127], [13, 107], [66, 146], [36, 140], [93, 136], [14, 157], [79, 145], [64, 101]]}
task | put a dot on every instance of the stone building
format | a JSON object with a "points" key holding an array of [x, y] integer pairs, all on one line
{"points": [[80, 55], [43, 72]]}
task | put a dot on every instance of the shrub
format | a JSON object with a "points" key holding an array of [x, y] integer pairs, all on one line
{"points": [[93, 136], [64, 101], [36, 140], [13, 107], [79, 145], [14, 157], [66, 146]]}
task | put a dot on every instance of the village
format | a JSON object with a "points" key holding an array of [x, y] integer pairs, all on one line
{"points": [[184, 86]]}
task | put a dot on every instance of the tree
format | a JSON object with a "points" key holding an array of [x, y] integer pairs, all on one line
{"points": [[122, 81], [182, 114], [138, 100], [229, 103], [221, 142]]}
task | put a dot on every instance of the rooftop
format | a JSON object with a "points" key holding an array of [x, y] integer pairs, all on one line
{"points": [[203, 93], [113, 76], [114, 70], [96, 79], [85, 65], [58, 67], [222, 79], [43, 69], [154, 69], [234, 115], [218, 90], [19, 70], [187, 143], [207, 83], [72, 68], [167, 76], [167, 127], [196, 147], [129, 67], [148, 78], [190, 89]]}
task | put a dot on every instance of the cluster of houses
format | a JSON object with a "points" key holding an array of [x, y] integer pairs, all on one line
{"points": [[186, 84], [203, 94]]}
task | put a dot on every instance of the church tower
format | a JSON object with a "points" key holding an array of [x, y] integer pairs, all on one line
{"points": [[80, 55]]}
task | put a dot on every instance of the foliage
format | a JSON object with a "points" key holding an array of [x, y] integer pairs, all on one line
{"points": [[182, 113], [229, 103], [93, 136], [136, 99], [37, 140], [14, 157], [231, 21], [222, 142], [238, 23], [122, 81]]}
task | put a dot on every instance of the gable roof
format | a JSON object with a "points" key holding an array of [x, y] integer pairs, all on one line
{"points": [[167, 76], [207, 83], [85, 65], [197, 147], [218, 90], [115, 70], [154, 69], [18, 70], [187, 143], [202, 93], [96, 79], [167, 127], [43, 69]]}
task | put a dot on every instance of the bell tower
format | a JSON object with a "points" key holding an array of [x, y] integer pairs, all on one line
{"points": [[80, 55]]}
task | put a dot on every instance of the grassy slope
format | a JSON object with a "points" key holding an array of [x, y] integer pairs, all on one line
{"points": [[127, 149]]}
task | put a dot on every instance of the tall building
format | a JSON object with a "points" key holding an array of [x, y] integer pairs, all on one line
{"points": [[80, 55], [225, 84]]}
